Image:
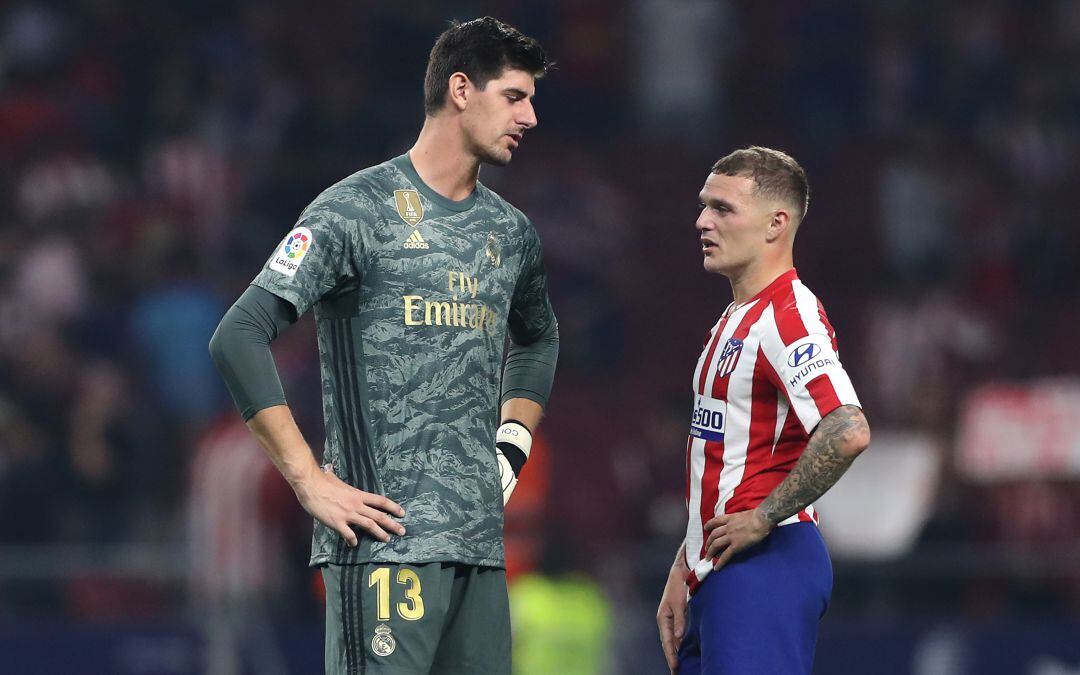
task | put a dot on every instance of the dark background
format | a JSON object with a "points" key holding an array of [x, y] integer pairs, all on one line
{"points": [[152, 154]]}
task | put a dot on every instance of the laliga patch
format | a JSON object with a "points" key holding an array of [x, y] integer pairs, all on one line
{"points": [[808, 358], [296, 245], [709, 419]]}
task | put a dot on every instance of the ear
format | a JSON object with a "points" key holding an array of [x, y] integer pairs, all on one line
{"points": [[459, 91], [780, 225]]}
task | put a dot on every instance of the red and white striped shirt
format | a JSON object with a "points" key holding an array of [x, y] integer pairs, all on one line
{"points": [[767, 374]]}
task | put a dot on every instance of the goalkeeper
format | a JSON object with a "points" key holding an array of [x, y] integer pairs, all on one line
{"points": [[417, 273]]}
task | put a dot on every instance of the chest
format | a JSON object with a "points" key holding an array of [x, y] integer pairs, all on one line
{"points": [[730, 359], [470, 257]]}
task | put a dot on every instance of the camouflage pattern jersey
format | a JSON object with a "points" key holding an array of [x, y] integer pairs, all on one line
{"points": [[413, 296]]}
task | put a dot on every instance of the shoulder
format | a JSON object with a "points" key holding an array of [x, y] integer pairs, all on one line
{"points": [[797, 312], [355, 197], [506, 213]]}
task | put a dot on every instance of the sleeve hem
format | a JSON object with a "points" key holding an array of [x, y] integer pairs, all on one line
{"points": [[287, 295], [249, 411], [526, 394]]}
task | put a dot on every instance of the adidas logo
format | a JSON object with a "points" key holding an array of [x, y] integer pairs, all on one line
{"points": [[415, 241]]}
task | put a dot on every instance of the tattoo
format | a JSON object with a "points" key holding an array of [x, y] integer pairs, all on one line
{"points": [[820, 466]]}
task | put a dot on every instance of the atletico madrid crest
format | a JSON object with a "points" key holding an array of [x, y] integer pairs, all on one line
{"points": [[729, 357]]}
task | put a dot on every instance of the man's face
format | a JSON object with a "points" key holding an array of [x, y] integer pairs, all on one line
{"points": [[498, 115], [732, 224]]}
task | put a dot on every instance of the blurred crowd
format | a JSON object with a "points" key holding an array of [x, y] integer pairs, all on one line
{"points": [[153, 153]]}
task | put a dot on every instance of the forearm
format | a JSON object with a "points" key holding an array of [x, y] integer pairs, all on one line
{"points": [[325, 496], [518, 419], [529, 370], [523, 410], [276, 431], [680, 559], [834, 445]]}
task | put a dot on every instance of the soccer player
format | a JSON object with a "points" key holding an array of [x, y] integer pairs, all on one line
{"points": [[775, 424], [416, 273]]}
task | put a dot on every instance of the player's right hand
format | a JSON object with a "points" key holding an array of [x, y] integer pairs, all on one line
{"points": [[341, 507], [671, 615]]}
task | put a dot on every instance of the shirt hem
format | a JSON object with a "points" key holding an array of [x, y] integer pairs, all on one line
{"points": [[475, 561]]}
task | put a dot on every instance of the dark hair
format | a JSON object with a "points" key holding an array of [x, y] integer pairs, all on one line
{"points": [[775, 174], [482, 49]]}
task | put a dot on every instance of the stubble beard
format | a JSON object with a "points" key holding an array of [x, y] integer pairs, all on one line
{"points": [[496, 156], [710, 264]]}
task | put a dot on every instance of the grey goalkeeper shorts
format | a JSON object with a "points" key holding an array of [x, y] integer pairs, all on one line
{"points": [[401, 619]]}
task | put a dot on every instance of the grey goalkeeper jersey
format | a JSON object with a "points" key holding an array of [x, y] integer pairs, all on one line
{"points": [[414, 295]]}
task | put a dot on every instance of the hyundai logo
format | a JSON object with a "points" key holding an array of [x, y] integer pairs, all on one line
{"points": [[803, 354]]}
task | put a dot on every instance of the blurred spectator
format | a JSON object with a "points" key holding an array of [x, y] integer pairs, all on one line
{"points": [[920, 353], [239, 513], [916, 212], [49, 282], [561, 619], [103, 444], [25, 473], [171, 324]]}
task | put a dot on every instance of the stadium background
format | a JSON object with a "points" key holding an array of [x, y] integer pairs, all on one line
{"points": [[153, 153]]}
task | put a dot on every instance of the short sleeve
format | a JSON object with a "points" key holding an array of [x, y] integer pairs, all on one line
{"points": [[315, 257], [800, 347], [531, 314]]}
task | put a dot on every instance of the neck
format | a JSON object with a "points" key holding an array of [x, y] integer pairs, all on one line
{"points": [[441, 160], [752, 279]]}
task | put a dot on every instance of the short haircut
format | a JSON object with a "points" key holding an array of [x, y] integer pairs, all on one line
{"points": [[776, 175], [482, 49]]}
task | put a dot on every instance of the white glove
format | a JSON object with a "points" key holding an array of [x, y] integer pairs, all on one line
{"points": [[513, 441]]}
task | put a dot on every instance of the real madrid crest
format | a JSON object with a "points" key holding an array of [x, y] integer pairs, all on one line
{"points": [[408, 206], [493, 250], [383, 643]]}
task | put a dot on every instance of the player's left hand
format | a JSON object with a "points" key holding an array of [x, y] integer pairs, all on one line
{"points": [[734, 532]]}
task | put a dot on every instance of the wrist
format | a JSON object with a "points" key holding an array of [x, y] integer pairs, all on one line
{"points": [[679, 566], [514, 440], [763, 519], [300, 477]]}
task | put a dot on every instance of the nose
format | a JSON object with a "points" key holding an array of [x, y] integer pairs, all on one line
{"points": [[702, 223], [526, 116]]}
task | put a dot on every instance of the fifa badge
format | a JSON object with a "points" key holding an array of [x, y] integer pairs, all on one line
{"points": [[408, 206], [383, 644], [492, 249]]}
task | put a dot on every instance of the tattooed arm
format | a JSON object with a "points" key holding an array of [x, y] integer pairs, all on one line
{"points": [[834, 445]]}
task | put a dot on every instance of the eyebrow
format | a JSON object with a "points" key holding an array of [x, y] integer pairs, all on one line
{"points": [[715, 202], [517, 92]]}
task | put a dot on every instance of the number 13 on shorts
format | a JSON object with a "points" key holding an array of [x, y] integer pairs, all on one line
{"points": [[412, 608]]}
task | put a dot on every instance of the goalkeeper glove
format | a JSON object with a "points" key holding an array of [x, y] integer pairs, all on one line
{"points": [[512, 444]]}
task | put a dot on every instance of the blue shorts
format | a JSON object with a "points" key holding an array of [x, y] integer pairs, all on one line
{"points": [[760, 613]]}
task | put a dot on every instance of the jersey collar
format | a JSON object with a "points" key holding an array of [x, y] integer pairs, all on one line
{"points": [[785, 278], [404, 163]]}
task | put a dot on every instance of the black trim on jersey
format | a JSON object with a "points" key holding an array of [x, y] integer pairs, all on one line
{"points": [[360, 635], [345, 593], [339, 368], [358, 448], [343, 416], [367, 446], [352, 439], [361, 428], [354, 417]]}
